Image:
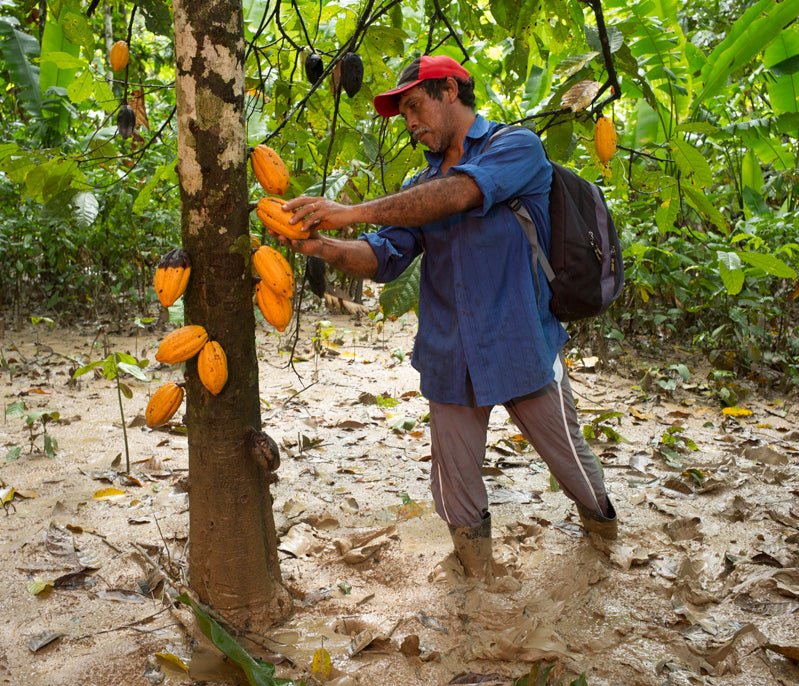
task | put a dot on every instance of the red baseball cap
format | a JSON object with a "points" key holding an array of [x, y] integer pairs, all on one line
{"points": [[422, 68]]}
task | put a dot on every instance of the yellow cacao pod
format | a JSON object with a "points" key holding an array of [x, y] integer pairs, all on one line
{"points": [[274, 270], [270, 212], [119, 55], [172, 276], [269, 169], [182, 344], [163, 404], [275, 308], [604, 139], [212, 367]]}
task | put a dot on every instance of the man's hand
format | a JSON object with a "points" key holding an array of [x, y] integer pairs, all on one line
{"points": [[307, 246], [320, 213]]}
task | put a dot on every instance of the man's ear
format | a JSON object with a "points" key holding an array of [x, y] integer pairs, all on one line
{"points": [[452, 89]]}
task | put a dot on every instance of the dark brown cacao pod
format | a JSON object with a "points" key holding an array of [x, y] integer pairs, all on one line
{"points": [[126, 121], [314, 67], [351, 73]]}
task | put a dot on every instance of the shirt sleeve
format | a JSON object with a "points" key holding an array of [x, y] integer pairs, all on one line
{"points": [[513, 165], [395, 248]]}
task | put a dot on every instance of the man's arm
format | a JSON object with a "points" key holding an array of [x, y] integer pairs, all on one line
{"points": [[413, 206]]}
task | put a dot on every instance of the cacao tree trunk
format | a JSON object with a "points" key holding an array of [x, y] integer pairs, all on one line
{"points": [[233, 564], [108, 35]]}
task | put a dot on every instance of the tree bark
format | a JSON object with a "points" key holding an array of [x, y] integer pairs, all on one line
{"points": [[233, 563], [108, 35]]}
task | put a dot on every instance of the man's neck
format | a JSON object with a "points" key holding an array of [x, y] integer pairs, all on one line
{"points": [[454, 152]]}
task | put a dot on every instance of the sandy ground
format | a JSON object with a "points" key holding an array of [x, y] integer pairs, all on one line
{"points": [[701, 588]]}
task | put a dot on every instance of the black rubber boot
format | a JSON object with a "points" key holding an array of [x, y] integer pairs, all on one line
{"points": [[604, 527]]}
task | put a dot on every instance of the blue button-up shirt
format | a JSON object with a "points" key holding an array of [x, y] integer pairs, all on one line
{"points": [[482, 323]]}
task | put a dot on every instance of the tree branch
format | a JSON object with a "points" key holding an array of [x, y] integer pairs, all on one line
{"points": [[612, 81]]}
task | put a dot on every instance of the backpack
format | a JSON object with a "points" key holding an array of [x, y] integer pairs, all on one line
{"points": [[585, 268]]}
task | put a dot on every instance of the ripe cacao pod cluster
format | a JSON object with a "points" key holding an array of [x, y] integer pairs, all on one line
{"points": [[275, 308], [269, 169], [604, 139], [275, 288], [163, 404], [184, 343], [119, 55], [274, 270], [172, 276], [273, 217], [212, 367]]}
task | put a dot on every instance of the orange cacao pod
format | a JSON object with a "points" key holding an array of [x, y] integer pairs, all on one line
{"points": [[182, 344], [212, 367], [172, 276], [269, 169], [276, 309], [270, 212], [119, 55], [274, 270], [604, 139], [163, 404]]}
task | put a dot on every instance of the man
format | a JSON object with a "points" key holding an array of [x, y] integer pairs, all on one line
{"points": [[486, 335]]}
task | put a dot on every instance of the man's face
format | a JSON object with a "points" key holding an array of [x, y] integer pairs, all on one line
{"points": [[426, 118]]}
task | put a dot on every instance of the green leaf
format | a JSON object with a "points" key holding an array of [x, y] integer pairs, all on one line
{"points": [[732, 275], [17, 48], [668, 209], [752, 32], [388, 41], [54, 40], [47, 180], [16, 409], [82, 88], [700, 201], [782, 59], [125, 390], [751, 173], [402, 294], [164, 175], [134, 370], [86, 208], [87, 368], [560, 141], [176, 313], [768, 263], [258, 673], [50, 446], [105, 96], [157, 16], [691, 163], [63, 60], [76, 29]]}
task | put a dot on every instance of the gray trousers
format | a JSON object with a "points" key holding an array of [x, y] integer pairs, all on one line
{"points": [[546, 418]]}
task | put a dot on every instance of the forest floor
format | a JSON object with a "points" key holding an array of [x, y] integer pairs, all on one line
{"points": [[702, 587]]}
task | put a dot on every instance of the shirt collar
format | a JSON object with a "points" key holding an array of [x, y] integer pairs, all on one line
{"points": [[478, 129]]}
